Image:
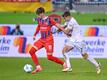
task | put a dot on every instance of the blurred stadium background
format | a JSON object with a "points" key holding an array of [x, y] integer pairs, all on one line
{"points": [[90, 14]]}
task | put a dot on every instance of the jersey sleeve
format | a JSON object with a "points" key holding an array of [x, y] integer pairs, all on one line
{"points": [[37, 30]]}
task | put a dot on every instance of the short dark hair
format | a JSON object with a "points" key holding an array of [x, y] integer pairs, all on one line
{"points": [[40, 10], [65, 14]]}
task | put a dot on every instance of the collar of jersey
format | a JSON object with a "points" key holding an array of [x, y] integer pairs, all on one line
{"points": [[45, 18]]}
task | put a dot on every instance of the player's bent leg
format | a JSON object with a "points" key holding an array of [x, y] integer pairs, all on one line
{"points": [[33, 55], [65, 50], [49, 46], [55, 59], [93, 61], [85, 55], [35, 60], [81, 46], [37, 45]]}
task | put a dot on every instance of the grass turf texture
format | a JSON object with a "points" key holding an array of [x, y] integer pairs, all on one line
{"points": [[12, 69], [26, 18]]}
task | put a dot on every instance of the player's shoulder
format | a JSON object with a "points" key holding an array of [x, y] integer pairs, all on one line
{"points": [[72, 19]]}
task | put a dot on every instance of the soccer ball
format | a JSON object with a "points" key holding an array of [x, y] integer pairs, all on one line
{"points": [[28, 68]]}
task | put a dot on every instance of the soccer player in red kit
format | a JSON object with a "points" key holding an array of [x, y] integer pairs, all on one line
{"points": [[46, 41]]}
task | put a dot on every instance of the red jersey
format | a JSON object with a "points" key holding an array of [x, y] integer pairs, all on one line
{"points": [[44, 26]]}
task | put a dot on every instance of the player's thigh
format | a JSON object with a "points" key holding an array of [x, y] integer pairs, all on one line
{"points": [[66, 49], [68, 46], [49, 46], [81, 46], [38, 44]]}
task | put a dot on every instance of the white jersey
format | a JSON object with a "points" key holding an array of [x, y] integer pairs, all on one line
{"points": [[75, 30]]}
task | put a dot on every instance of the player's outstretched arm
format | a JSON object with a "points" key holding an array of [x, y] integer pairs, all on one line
{"points": [[37, 31], [66, 31]]}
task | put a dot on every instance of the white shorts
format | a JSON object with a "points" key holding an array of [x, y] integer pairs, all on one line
{"points": [[80, 45]]}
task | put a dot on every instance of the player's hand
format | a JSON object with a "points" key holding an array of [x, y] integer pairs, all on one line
{"points": [[34, 38], [59, 30]]}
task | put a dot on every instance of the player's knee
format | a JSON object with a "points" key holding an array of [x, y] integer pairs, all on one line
{"points": [[32, 51], [64, 51], [85, 56]]}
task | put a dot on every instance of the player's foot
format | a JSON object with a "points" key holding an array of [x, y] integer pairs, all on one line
{"points": [[38, 69], [68, 69], [64, 65], [98, 69]]}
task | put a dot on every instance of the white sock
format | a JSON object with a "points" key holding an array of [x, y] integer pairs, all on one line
{"points": [[93, 61], [38, 66], [67, 60]]}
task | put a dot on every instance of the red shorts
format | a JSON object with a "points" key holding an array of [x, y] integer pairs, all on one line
{"points": [[47, 43]]}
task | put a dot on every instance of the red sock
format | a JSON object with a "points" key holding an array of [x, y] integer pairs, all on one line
{"points": [[33, 56], [55, 59]]}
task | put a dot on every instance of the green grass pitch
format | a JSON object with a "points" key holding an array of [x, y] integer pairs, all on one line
{"points": [[27, 18], [12, 69]]}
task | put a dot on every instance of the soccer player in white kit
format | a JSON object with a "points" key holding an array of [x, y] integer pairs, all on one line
{"points": [[75, 41]]}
